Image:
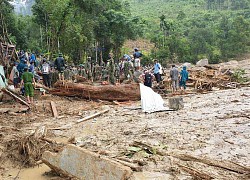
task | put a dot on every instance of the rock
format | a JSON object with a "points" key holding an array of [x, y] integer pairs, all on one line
{"points": [[188, 65], [83, 164], [175, 103], [202, 62], [137, 74]]}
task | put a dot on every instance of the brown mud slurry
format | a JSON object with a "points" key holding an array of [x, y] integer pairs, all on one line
{"points": [[215, 125], [36, 173]]}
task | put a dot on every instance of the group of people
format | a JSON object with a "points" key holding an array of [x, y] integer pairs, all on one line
{"points": [[30, 68], [178, 79]]}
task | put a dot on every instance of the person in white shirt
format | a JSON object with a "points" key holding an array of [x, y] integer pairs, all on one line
{"points": [[46, 73]]}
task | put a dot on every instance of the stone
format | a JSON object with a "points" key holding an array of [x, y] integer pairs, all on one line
{"points": [[83, 164], [137, 74], [187, 64], [202, 62], [175, 103]]}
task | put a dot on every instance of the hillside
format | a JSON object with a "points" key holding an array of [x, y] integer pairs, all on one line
{"points": [[188, 30], [151, 10]]}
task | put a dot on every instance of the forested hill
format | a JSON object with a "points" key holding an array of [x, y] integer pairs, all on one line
{"points": [[152, 9], [188, 30], [180, 30]]}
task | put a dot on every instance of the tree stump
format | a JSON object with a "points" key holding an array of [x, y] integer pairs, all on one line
{"points": [[175, 103]]}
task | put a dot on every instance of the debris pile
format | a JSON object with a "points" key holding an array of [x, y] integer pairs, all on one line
{"points": [[28, 148], [209, 76]]}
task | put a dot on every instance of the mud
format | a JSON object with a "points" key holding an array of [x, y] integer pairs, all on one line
{"points": [[213, 125]]}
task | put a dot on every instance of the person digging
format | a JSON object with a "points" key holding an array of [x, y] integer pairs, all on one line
{"points": [[27, 79]]}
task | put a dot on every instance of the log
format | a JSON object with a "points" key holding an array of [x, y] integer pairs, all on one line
{"points": [[13, 110], [92, 116], [53, 108], [123, 92], [227, 165], [195, 173], [7, 91], [38, 85], [131, 165]]}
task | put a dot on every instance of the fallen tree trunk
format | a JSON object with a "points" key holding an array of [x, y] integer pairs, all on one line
{"points": [[18, 98], [124, 92], [195, 173], [227, 165]]}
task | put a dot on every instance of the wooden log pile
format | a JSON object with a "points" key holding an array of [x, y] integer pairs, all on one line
{"points": [[211, 76], [125, 92]]}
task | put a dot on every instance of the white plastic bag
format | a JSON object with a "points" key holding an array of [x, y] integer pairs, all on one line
{"points": [[151, 101]]}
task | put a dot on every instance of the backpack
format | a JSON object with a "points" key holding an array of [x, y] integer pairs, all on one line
{"points": [[148, 79]]}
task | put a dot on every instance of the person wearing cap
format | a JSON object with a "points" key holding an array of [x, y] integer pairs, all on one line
{"points": [[60, 66], [21, 66], [128, 70], [27, 79], [137, 55], [126, 57]]}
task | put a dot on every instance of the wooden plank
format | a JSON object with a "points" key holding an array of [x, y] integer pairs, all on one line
{"points": [[53, 108], [227, 165], [15, 97], [195, 173], [92, 116]]}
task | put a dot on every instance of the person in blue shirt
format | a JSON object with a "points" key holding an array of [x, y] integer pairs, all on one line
{"points": [[21, 66], [137, 53], [184, 78], [32, 67], [32, 58], [137, 61], [126, 57], [157, 68]]}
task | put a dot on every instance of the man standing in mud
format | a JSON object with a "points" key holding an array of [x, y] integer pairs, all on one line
{"points": [[174, 75], [27, 79], [60, 66]]}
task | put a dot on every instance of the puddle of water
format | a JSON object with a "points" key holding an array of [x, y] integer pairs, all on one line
{"points": [[36, 173]]}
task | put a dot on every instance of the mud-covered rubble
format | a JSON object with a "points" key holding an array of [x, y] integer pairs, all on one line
{"points": [[214, 125]]}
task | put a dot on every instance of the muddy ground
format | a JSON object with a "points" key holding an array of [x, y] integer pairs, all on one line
{"points": [[214, 125]]}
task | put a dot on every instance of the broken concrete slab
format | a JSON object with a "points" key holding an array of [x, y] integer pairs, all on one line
{"points": [[83, 164]]}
